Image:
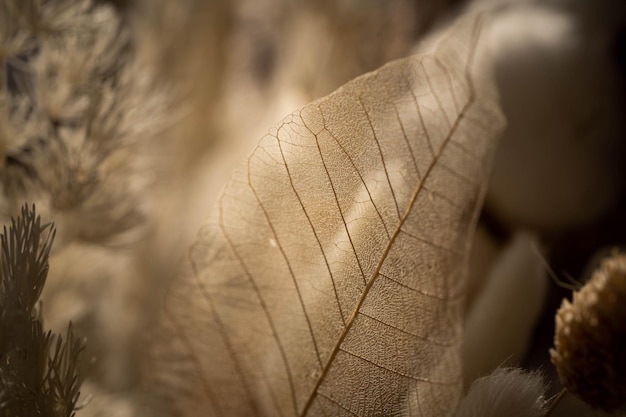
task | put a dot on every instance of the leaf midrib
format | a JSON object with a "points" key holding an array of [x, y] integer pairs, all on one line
{"points": [[396, 232]]}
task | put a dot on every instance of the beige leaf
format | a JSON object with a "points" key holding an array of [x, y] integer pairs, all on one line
{"points": [[329, 281]]}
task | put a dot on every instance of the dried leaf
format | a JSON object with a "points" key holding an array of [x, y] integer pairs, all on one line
{"points": [[330, 278]]}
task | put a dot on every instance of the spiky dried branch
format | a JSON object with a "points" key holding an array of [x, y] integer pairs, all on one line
{"points": [[39, 370]]}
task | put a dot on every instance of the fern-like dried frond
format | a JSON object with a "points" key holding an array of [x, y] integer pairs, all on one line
{"points": [[39, 373]]}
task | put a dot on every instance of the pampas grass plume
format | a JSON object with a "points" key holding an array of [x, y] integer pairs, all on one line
{"points": [[506, 392]]}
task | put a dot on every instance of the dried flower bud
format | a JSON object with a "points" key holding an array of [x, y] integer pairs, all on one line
{"points": [[590, 338]]}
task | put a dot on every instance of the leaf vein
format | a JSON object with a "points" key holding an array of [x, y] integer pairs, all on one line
{"points": [[317, 239], [259, 296], [433, 244], [406, 140], [288, 263], [436, 96], [395, 371], [367, 190], [418, 336], [380, 152], [332, 400], [222, 330], [418, 108]]}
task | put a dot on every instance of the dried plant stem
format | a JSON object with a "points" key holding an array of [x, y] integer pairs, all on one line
{"points": [[555, 402]]}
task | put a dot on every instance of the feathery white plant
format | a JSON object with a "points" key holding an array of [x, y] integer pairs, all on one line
{"points": [[506, 392], [76, 109]]}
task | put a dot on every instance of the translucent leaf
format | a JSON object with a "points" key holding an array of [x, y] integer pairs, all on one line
{"points": [[329, 281]]}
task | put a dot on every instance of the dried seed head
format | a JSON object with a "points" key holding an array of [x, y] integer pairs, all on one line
{"points": [[590, 338]]}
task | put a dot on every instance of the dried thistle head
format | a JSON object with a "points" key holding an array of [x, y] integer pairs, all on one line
{"points": [[590, 338], [76, 112]]}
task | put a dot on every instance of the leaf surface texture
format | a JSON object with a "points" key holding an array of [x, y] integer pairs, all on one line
{"points": [[329, 281]]}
